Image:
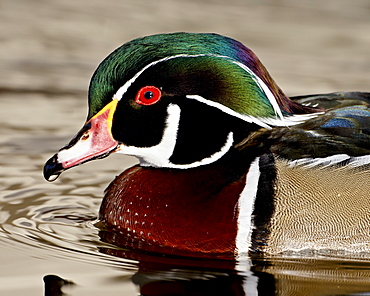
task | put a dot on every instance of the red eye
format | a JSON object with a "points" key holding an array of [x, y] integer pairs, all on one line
{"points": [[148, 95]]}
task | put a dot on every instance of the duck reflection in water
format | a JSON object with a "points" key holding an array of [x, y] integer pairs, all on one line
{"points": [[164, 275], [305, 274]]}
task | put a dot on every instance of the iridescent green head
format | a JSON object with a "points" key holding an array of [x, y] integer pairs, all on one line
{"points": [[224, 64]]}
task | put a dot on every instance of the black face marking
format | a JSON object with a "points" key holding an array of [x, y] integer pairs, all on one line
{"points": [[139, 127]]}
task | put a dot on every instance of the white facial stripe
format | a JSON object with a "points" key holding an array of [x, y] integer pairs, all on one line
{"points": [[290, 120], [123, 89], [270, 96], [229, 111], [261, 121], [159, 155], [265, 122], [80, 149], [245, 209], [332, 160]]}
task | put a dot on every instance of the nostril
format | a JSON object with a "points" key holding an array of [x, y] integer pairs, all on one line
{"points": [[85, 136]]}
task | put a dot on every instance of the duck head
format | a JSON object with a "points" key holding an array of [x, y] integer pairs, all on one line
{"points": [[176, 101]]}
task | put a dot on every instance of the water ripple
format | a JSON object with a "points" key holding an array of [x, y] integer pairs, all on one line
{"points": [[54, 220]]}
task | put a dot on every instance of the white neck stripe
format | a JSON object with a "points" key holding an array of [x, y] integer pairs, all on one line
{"points": [[160, 154], [214, 157]]}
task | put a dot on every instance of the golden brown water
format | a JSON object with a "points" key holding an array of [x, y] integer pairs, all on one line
{"points": [[48, 53]]}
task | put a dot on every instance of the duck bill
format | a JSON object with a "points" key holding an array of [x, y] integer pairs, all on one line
{"points": [[93, 141]]}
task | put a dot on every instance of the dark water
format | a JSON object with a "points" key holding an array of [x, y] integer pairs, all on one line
{"points": [[49, 50]]}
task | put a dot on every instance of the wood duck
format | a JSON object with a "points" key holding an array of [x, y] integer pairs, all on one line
{"points": [[229, 165]]}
